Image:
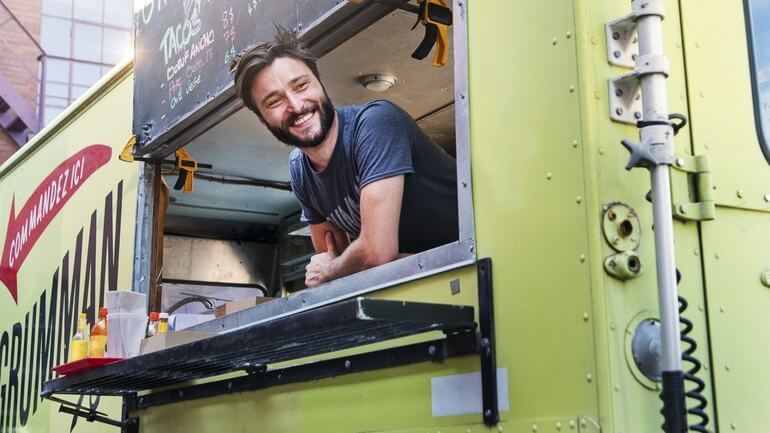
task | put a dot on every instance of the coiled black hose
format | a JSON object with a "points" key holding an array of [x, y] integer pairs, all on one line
{"points": [[696, 393]]}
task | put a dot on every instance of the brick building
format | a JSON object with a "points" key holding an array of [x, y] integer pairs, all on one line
{"points": [[18, 70], [65, 44]]}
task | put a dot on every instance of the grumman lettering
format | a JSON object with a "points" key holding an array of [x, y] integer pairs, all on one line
{"points": [[30, 348]]}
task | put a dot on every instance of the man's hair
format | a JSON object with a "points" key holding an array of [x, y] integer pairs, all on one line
{"points": [[253, 59]]}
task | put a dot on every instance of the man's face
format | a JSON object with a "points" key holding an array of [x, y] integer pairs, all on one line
{"points": [[293, 103]]}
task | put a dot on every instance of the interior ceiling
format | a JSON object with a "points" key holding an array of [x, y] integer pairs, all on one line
{"points": [[240, 147]]}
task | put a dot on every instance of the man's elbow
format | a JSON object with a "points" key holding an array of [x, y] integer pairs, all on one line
{"points": [[379, 256]]}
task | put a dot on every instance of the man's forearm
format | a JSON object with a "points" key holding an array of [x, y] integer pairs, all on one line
{"points": [[352, 260]]}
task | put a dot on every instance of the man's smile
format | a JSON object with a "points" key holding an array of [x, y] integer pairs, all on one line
{"points": [[303, 119]]}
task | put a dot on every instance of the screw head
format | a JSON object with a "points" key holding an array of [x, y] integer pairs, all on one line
{"points": [[618, 92], [619, 111], [679, 162], [616, 54], [615, 36], [637, 115]]}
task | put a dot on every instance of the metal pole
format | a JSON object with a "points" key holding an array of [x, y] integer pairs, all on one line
{"points": [[656, 152], [655, 108]]}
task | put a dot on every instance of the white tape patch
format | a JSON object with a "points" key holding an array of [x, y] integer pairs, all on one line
{"points": [[460, 394]]}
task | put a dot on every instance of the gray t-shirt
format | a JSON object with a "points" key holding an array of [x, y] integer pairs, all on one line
{"points": [[378, 140]]}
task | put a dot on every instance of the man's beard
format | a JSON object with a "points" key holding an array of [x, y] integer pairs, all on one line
{"points": [[325, 115]]}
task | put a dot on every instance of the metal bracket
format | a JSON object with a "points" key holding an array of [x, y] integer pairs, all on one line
{"points": [[490, 407], [622, 35], [692, 191], [90, 414], [625, 95], [622, 41], [625, 91]]}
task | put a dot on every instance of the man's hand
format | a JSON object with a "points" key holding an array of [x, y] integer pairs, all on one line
{"points": [[319, 270]]}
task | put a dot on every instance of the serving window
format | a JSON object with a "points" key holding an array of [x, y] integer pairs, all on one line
{"points": [[238, 234]]}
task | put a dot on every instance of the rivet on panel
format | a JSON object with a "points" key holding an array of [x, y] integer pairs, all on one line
{"points": [[500, 428], [578, 199], [705, 367], [572, 424], [612, 327], [558, 425], [589, 378], [575, 144], [554, 41], [727, 367], [597, 96], [739, 193], [733, 426], [601, 150], [582, 258], [548, 175], [767, 198], [700, 308], [765, 278], [682, 209], [702, 95], [593, 40], [695, 252], [721, 309], [697, 44], [679, 162], [716, 256], [569, 35], [617, 388], [572, 89], [534, 428], [585, 317], [583, 423]]}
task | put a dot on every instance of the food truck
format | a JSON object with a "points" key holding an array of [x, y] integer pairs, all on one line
{"points": [[610, 273]]}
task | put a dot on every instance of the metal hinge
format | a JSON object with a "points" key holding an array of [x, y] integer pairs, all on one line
{"points": [[692, 191]]}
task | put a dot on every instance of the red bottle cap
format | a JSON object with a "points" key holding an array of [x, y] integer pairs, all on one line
{"points": [[154, 315]]}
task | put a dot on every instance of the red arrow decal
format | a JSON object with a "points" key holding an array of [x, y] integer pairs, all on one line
{"points": [[43, 205]]}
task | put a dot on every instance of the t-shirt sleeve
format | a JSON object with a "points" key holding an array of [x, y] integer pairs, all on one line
{"points": [[308, 213], [383, 142]]}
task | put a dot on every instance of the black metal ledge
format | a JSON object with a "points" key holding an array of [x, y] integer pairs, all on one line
{"points": [[330, 328]]}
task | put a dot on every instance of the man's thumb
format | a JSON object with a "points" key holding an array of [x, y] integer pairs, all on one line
{"points": [[330, 246]]}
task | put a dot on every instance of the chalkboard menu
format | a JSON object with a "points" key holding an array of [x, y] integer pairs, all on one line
{"points": [[182, 52]]}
